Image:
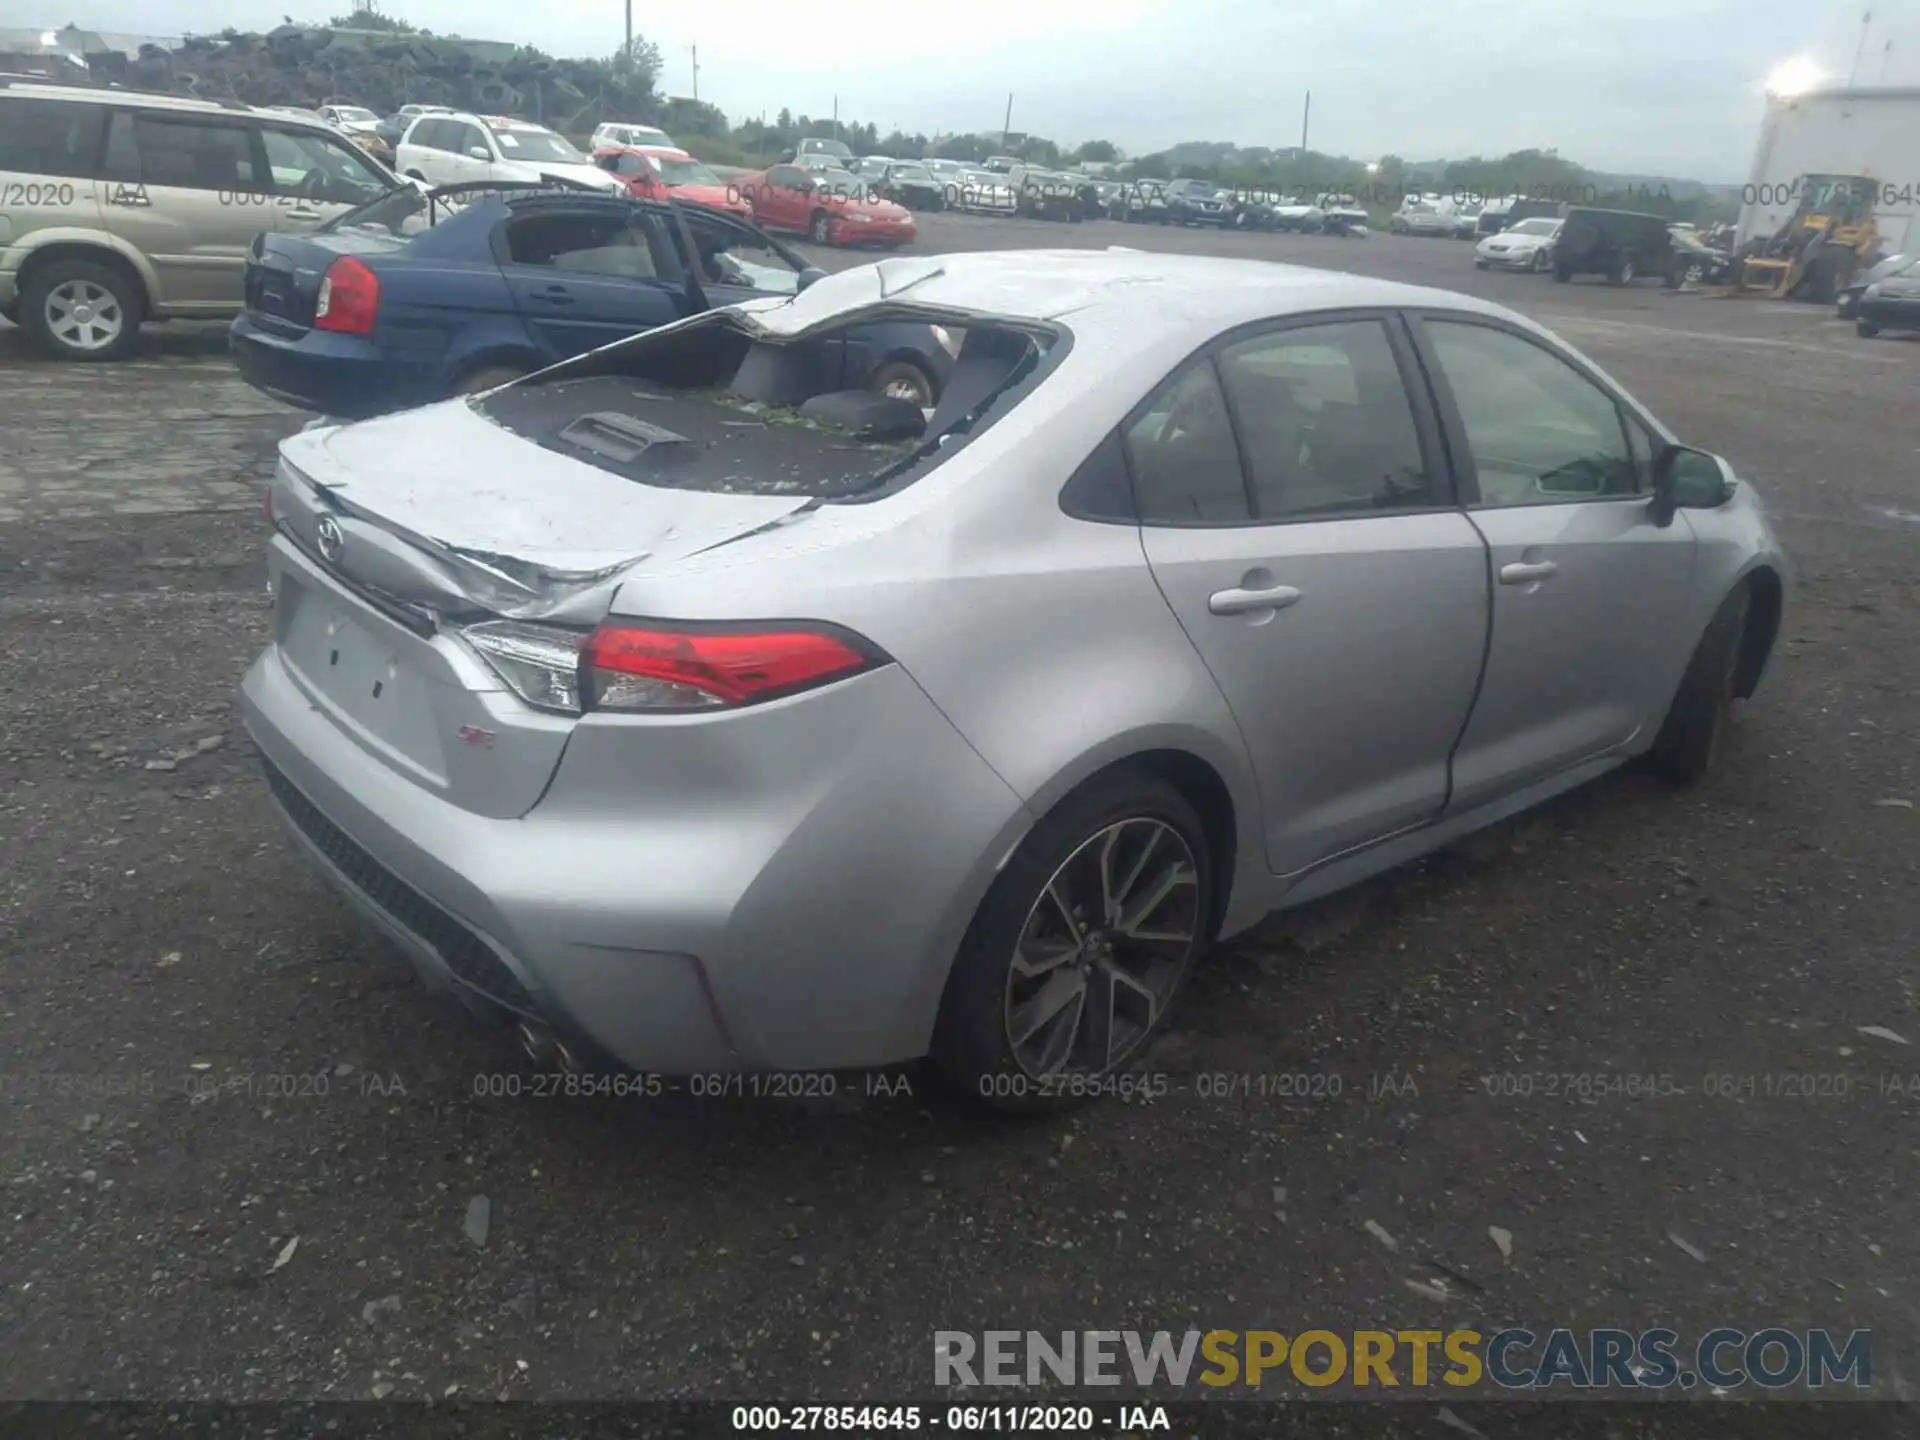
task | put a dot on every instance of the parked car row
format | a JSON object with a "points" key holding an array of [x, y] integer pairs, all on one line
{"points": [[1619, 245], [352, 289]]}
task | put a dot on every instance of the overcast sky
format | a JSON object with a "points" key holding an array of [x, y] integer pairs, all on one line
{"points": [[1651, 86]]}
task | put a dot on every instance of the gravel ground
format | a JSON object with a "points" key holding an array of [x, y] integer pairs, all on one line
{"points": [[159, 940]]}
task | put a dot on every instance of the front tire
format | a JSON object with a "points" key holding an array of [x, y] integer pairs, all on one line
{"points": [[820, 228], [81, 310], [1865, 329], [1076, 955], [1690, 738]]}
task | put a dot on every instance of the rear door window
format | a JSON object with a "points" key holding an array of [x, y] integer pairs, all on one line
{"points": [[187, 152], [613, 247], [40, 137]]}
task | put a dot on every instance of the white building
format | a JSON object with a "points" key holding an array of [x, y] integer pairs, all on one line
{"points": [[1837, 131]]}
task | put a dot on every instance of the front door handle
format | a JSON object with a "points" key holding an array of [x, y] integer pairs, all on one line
{"points": [[554, 295], [1241, 602], [1525, 573]]}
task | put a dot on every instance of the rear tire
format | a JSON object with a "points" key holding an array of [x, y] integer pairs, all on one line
{"points": [[1696, 723], [1138, 832], [82, 310], [1562, 274], [896, 377], [1865, 329]]}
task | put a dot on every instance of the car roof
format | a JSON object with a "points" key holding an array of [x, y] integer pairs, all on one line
{"points": [[1130, 298], [147, 99]]}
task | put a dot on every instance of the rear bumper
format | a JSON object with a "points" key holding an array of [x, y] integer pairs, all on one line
{"points": [[1892, 314], [848, 232], [341, 375], [786, 896]]}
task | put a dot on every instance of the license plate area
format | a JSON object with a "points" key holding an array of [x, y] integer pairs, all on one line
{"points": [[361, 676]]}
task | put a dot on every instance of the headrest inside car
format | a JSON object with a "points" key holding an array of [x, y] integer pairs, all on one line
{"points": [[869, 416]]}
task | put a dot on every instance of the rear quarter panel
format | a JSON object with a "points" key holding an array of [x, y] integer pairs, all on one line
{"points": [[1042, 637], [439, 317]]}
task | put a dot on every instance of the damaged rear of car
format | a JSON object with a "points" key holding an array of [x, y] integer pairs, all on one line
{"points": [[499, 714]]}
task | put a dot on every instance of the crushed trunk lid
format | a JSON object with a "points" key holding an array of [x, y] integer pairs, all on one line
{"points": [[456, 514]]}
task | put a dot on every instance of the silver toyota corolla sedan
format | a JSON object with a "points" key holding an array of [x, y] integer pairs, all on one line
{"points": [[691, 714]]}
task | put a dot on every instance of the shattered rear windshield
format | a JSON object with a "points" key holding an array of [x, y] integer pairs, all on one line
{"points": [[711, 408]]}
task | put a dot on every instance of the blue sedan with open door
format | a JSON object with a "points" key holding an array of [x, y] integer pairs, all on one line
{"points": [[418, 295]]}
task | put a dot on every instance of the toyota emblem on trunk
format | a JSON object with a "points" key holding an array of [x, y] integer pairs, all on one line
{"points": [[330, 539]]}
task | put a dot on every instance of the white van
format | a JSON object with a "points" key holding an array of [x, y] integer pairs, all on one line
{"points": [[638, 135], [457, 149]]}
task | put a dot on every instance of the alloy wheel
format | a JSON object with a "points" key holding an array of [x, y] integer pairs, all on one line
{"points": [[1103, 950], [84, 316], [905, 388]]}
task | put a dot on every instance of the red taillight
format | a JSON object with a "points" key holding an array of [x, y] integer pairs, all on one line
{"points": [[633, 667], [349, 298]]}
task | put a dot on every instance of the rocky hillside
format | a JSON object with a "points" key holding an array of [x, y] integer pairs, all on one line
{"points": [[303, 66]]}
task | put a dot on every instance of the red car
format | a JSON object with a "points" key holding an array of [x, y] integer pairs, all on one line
{"points": [[829, 207], [653, 172]]}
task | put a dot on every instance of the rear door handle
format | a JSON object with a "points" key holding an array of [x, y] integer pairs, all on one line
{"points": [[554, 295], [1241, 602], [1524, 573]]}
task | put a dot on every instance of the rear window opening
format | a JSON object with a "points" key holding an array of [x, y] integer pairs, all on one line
{"points": [[710, 407]]}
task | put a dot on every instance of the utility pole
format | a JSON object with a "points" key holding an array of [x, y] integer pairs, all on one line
{"points": [[626, 50], [1886, 55], [696, 69], [1866, 20], [1305, 114], [1006, 127], [836, 117]]}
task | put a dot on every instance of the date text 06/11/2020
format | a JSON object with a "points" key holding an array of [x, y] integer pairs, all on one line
{"points": [[955, 1419]]}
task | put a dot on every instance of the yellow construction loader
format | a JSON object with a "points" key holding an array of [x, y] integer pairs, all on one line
{"points": [[1830, 236]]}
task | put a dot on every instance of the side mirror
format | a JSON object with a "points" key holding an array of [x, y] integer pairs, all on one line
{"points": [[1687, 479], [478, 152], [809, 275]]}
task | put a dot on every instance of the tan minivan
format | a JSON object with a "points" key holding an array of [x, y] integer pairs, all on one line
{"points": [[118, 207]]}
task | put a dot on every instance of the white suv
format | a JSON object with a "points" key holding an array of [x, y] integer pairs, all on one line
{"points": [[643, 136], [459, 148]]}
